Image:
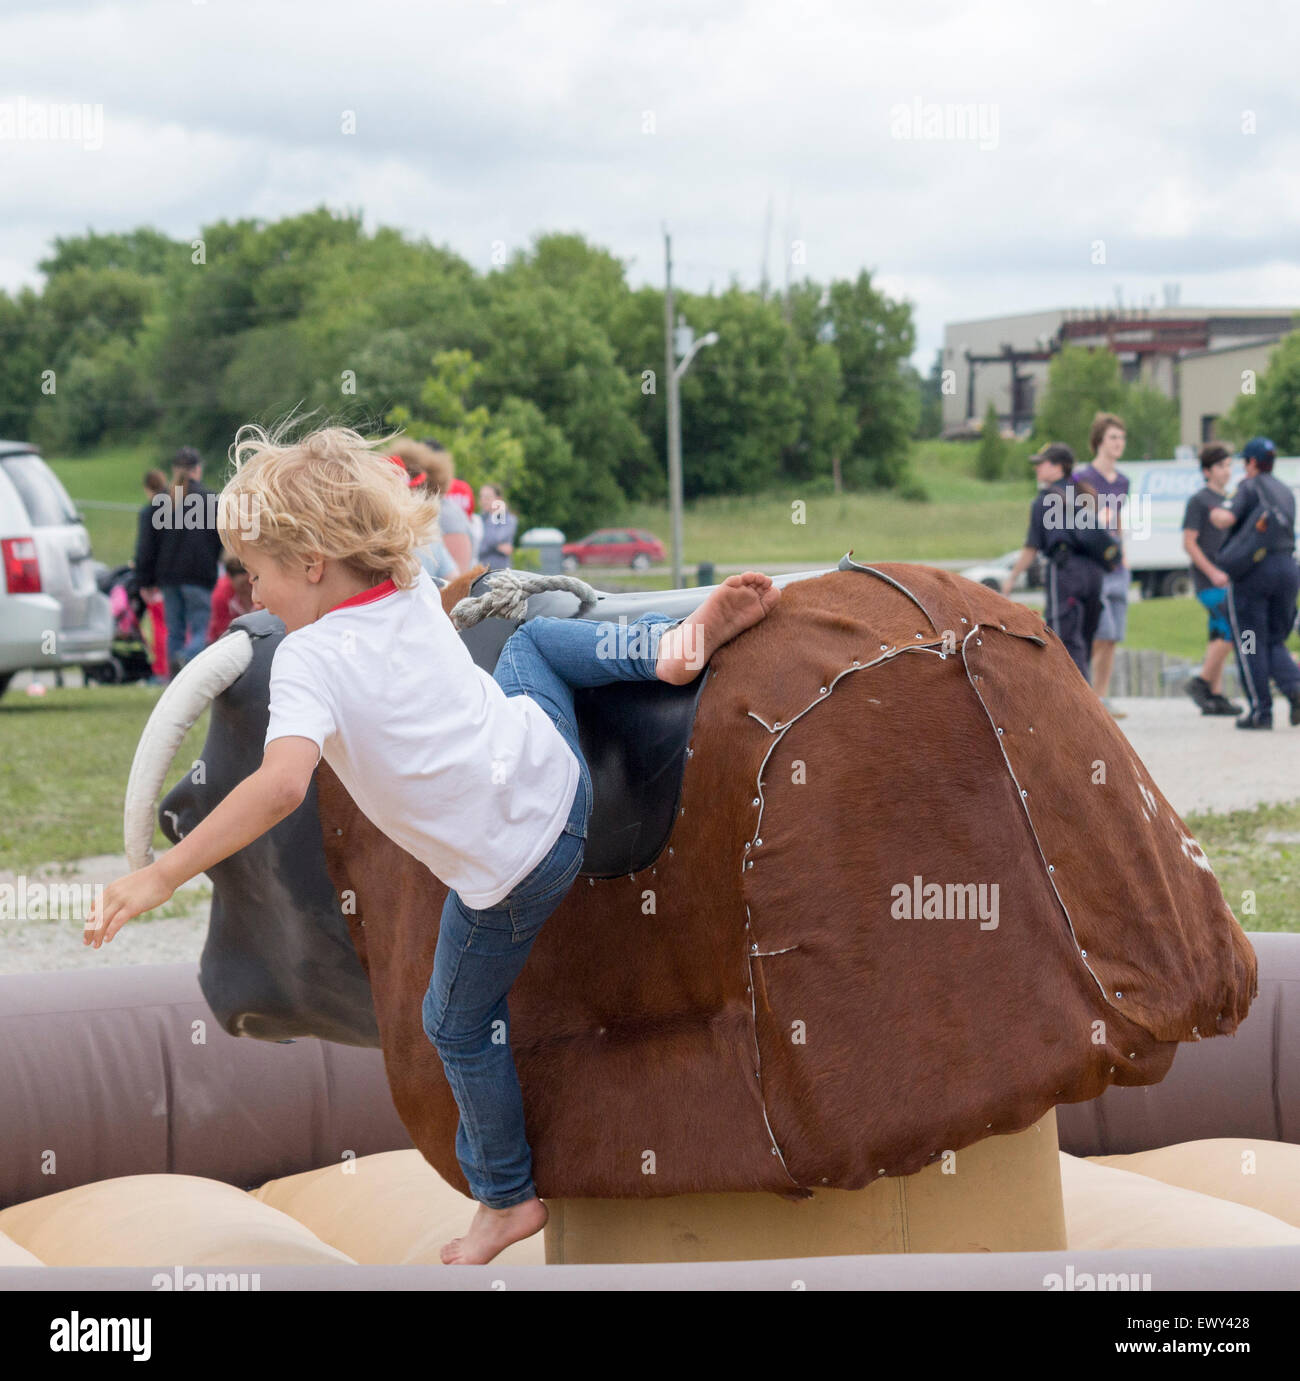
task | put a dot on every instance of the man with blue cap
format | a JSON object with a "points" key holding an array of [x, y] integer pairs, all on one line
{"points": [[1262, 599]]}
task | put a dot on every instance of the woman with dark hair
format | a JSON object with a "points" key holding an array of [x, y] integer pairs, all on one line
{"points": [[177, 553]]}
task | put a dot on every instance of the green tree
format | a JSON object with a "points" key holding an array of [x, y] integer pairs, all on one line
{"points": [[543, 348], [22, 358], [740, 409], [143, 251], [100, 396], [991, 458], [1241, 421], [636, 331], [255, 277], [874, 337], [512, 446], [1080, 383], [828, 426], [930, 422], [1151, 423], [1274, 410], [554, 488], [484, 450]]}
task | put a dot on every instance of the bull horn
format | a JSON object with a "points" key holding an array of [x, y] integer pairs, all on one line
{"points": [[198, 683]]}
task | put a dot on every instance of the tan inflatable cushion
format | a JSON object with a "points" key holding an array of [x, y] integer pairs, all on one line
{"points": [[392, 1208], [162, 1220], [1105, 1208], [11, 1254], [1260, 1174]]}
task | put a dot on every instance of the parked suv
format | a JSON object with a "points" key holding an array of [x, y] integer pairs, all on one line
{"points": [[47, 578]]}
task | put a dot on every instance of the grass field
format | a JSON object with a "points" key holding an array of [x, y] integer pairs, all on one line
{"points": [[63, 772]]}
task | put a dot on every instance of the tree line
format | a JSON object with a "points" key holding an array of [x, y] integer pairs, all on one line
{"points": [[545, 373]]}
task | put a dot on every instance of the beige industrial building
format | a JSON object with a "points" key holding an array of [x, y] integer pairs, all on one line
{"points": [[1194, 354]]}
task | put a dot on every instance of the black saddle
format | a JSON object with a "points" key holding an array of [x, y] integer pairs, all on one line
{"points": [[633, 734]]}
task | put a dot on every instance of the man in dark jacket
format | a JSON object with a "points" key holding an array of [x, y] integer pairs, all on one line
{"points": [[1201, 540], [177, 551], [1261, 603], [1074, 579]]}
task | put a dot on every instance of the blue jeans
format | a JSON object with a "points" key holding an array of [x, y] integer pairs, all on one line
{"points": [[188, 611], [481, 953]]}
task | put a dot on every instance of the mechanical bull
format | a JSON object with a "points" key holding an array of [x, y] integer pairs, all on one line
{"points": [[772, 974]]}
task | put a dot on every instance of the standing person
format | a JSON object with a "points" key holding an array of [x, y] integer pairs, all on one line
{"points": [[1074, 579], [1201, 540], [451, 551], [459, 492], [499, 528], [178, 555], [483, 780], [1106, 437], [1262, 602], [155, 482]]}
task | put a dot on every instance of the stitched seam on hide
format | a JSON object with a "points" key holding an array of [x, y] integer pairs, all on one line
{"points": [[758, 1055], [1024, 805], [889, 580], [898, 585]]}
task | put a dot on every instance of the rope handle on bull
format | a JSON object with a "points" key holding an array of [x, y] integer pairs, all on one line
{"points": [[507, 594]]}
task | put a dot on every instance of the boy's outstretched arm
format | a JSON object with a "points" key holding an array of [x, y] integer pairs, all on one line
{"points": [[260, 801]]}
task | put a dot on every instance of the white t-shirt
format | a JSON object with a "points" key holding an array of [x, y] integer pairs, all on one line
{"points": [[477, 785]]}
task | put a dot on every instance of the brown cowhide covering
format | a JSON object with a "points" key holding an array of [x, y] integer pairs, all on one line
{"points": [[748, 1013]]}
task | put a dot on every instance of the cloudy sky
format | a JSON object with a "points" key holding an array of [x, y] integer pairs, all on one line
{"points": [[1159, 135]]}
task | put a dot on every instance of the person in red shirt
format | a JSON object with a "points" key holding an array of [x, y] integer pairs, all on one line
{"points": [[232, 596]]}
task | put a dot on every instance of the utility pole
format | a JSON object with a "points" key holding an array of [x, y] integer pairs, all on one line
{"points": [[679, 339], [674, 418]]}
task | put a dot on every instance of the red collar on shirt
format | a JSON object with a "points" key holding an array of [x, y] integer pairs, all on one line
{"points": [[366, 596]]}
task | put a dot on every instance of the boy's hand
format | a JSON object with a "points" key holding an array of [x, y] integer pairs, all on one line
{"points": [[121, 900]]}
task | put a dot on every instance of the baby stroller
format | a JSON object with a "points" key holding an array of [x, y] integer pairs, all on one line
{"points": [[129, 659]]}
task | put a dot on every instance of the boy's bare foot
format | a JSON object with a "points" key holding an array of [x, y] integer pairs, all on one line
{"points": [[739, 602], [493, 1230]]}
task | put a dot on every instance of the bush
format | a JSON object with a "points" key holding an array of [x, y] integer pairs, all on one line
{"points": [[991, 458], [911, 489]]}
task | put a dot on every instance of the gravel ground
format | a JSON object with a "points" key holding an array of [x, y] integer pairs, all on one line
{"points": [[1205, 763], [35, 943], [1199, 763]]}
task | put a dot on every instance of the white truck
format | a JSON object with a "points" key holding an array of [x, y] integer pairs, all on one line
{"points": [[1153, 521]]}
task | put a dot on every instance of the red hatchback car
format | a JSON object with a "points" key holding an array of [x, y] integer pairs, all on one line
{"points": [[614, 546]]}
